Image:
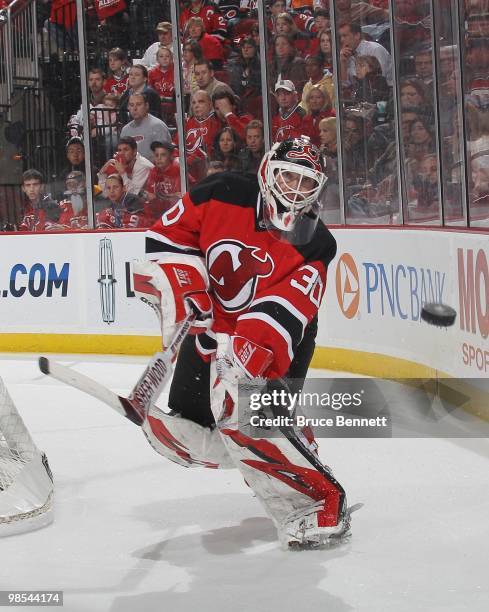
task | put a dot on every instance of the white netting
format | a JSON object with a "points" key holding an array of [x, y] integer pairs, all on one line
{"points": [[26, 489]]}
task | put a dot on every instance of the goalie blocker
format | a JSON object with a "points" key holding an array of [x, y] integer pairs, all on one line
{"points": [[251, 259]]}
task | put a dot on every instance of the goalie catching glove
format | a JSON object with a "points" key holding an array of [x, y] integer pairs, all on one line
{"points": [[173, 288]]}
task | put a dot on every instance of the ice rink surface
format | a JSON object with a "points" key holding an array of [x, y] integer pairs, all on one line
{"points": [[135, 533]]}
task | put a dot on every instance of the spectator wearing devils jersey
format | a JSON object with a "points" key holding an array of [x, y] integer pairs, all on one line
{"points": [[200, 131], [214, 22], [163, 187], [162, 79], [125, 210], [116, 82], [287, 123]]}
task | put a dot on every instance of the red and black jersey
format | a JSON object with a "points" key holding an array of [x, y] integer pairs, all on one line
{"points": [[262, 288], [164, 182], [200, 134], [122, 217], [47, 217], [163, 82], [288, 125], [116, 85], [214, 22]]}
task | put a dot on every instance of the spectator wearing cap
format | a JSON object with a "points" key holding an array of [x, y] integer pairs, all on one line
{"points": [[129, 164], [226, 110], [164, 32], [288, 122], [163, 187], [317, 78], [137, 83], [73, 204], [352, 46], [144, 127], [211, 46], [286, 64]]}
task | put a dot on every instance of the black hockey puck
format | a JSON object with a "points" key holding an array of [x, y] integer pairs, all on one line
{"points": [[438, 314]]}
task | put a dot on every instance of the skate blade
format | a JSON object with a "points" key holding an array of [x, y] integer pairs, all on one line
{"points": [[326, 543]]}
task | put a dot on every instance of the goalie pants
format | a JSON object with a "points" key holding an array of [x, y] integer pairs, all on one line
{"points": [[285, 473]]}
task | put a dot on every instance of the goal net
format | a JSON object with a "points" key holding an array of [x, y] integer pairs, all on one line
{"points": [[26, 484]]}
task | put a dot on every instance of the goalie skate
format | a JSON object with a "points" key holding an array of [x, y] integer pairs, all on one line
{"points": [[302, 530]]}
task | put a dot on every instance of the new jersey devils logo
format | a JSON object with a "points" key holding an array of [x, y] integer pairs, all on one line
{"points": [[194, 139], [234, 271]]}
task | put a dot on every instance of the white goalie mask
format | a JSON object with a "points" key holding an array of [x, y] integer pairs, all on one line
{"points": [[291, 180]]}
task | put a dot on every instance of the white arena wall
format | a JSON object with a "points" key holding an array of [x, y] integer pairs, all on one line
{"points": [[62, 293]]}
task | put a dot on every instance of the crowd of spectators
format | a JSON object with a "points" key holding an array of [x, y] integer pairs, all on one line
{"points": [[132, 118]]}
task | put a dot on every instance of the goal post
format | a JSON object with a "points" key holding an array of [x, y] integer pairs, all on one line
{"points": [[26, 483]]}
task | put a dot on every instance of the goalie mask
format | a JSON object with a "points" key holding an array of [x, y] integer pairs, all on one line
{"points": [[291, 181]]}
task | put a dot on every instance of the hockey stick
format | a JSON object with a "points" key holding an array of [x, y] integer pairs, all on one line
{"points": [[145, 392]]}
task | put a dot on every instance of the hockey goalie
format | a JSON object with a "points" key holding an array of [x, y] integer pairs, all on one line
{"points": [[249, 256]]}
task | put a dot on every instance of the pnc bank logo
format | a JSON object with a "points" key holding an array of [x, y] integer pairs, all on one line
{"points": [[347, 285]]}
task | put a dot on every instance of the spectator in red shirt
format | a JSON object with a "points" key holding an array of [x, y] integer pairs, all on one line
{"points": [[116, 82], [211, 46], [214, 22], [41, 213], [162, 79], [163, 187], [288, 122], [200, 130], [284, 24]]}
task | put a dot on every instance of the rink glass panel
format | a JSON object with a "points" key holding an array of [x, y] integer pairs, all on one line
{"points": [[427, 144]]}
